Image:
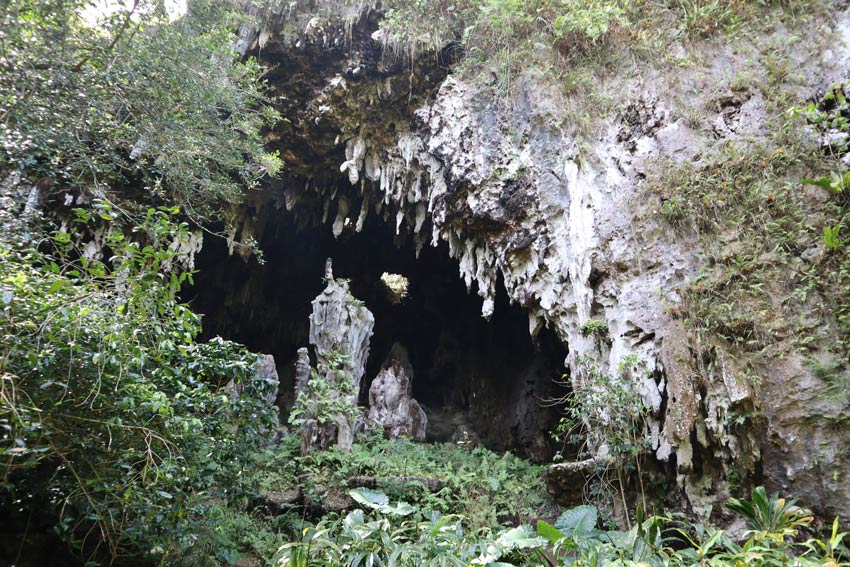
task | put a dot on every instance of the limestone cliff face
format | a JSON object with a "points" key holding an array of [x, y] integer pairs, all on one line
{"points": [[564, 220]]}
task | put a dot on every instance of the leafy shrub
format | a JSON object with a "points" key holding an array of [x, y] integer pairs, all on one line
{"points": [[325, 399], [594, 328], [674, 542], [359, 538], [411, 539], [770, 514], [114, 418], [137, 101], [113, 414], [581, 24], [607, 410]]}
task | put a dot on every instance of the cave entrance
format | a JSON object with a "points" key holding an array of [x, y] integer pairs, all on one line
{"points": [[476, 379]]}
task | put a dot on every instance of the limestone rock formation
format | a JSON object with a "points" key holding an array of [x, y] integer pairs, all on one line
{"points": [[267, 383], [340, 329], [302, 370], [326, 402], [390, 406], [567, 222]]}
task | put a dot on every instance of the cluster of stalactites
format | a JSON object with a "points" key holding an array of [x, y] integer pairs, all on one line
{"points": [[404, 184]]}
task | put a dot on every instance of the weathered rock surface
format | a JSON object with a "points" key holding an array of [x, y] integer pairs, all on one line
{"points": [[391, 408], [265, 381], [340, 329], [302, 370], [565, 224]]}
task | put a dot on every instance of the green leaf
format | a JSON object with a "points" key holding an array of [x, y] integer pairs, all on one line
{"points": [[379, 501], [579, 521], [55, 286], [550, 532], [822, 182], [520, 537]]}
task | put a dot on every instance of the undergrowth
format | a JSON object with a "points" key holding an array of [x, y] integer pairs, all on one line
{"points": [[487, 488], [381, 533], [384, 526], [479, 489]]}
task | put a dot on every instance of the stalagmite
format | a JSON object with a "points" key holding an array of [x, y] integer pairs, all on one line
{"points": [[390, 406], [340, 330], [302, 370]]}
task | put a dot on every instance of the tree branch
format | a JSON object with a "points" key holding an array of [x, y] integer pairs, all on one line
{"points": [[124, 26]]}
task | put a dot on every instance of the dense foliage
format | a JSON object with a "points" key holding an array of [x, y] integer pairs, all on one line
{"points": [[388, 535], [118, 424], [488, 489], [113, 415], [475, 489], [400, 522], [132, 102], [502, 36], [115, 424]]}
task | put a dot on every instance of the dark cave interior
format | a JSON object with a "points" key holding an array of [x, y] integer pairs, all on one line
{"points": [[470, 374]]}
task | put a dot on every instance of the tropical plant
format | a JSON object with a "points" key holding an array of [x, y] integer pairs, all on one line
{"points": [[606, 410], [410, 538], [486, 488], [114, 416], [832, 548], [771, 513], [116, 424], [133, 102], [594, 328], [836, 183], [831, 240], [662, 541]]}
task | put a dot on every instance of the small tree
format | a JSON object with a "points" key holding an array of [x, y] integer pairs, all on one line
{"points": [[606, 417]]}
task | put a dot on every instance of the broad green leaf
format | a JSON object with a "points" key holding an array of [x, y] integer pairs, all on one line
{"points": [[55, 286], [550, 532], [578, 521], [379, 501], [520, 537]]}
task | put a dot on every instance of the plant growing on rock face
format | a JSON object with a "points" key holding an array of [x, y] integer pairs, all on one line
{"points": [[606, 415], [583, 24], [831, 240], [835, 183], [594, 328], [327, 396]]}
